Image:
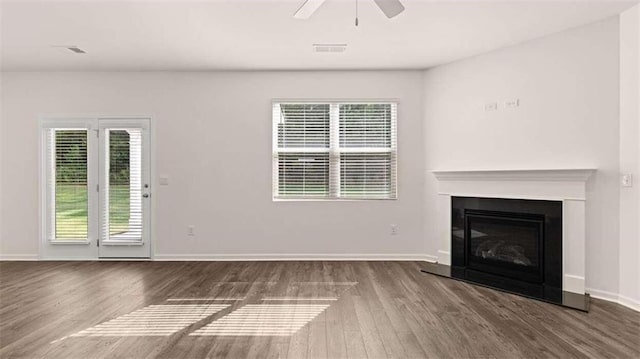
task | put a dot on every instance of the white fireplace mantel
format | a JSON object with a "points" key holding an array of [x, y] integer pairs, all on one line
{"points": [[570, 175], [566, 185]]}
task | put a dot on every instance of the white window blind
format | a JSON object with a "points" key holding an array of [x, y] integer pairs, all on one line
{"points": [[122, 212], [334, 150], [367, 150], [67, 190], [302, 150]]}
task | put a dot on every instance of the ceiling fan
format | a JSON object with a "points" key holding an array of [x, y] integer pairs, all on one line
{"points": [[390, 8]]}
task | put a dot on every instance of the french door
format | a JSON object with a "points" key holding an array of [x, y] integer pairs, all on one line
{"points": [[95, 188]]}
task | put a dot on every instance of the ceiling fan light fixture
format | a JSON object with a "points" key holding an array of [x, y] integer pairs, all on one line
{"points": [[391, 8], [307, 9]]}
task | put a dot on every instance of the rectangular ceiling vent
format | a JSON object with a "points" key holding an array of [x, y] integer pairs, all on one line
{"points": [[329, 47]]}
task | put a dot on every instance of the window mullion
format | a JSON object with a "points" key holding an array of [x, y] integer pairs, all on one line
{"points": [[334, 151]]}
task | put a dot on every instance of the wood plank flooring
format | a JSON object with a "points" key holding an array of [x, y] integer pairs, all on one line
{"points": [[335, 310]]}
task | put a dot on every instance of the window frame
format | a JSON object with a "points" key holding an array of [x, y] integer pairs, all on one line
{"points": [[334, 150]]}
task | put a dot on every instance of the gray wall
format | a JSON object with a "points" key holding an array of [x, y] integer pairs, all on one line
{"points": [[213, 139]]}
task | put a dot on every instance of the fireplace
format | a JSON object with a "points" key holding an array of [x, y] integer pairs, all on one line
{"points": [[511, 244], [522, 231]]}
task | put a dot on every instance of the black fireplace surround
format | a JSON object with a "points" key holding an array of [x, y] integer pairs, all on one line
{"points": [[510, 244]]}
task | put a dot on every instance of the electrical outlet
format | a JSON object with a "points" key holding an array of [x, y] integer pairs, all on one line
{"points": [[191, 230], [512, 103], [394, 229], [627, 180]]}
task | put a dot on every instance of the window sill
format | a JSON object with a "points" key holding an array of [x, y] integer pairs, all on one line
{"points": [[332, 199], [53, 241]]}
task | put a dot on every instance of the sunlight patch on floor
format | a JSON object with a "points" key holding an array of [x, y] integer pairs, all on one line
{"points": [[263, 320], [299, 299], [216, 299], [154, 320]]}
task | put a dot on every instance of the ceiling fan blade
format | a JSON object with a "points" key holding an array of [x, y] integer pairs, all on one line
{"points": [[307, 9], [390, 8]]}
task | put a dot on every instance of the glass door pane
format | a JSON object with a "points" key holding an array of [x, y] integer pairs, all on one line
{"points": [[123, 212], [70, 182]]}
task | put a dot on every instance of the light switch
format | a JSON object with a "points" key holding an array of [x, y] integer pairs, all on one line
{"points": [[627, 180], [491, 106], [164, 180]]}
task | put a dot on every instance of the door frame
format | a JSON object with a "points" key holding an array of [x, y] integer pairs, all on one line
{"points": [[127, 249], [44, 122]]}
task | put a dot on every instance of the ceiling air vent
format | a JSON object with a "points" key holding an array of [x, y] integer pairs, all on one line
{"points": [[74, 49], [329, 47]]}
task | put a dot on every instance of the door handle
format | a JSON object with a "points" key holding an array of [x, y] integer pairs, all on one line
{"points": [[145, 195]]}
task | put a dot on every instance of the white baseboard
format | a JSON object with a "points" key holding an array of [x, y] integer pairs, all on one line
{"points": [[615, 297], [629, 302], [241, 257], [19, 257], [77, 259], [293, 257]]}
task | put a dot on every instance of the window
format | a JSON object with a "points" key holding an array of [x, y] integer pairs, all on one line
{"points": [[334, 150]]}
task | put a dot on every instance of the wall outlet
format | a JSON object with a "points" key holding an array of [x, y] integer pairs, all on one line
{"points": [[491, 106], [512, 103], [626, 180], [393, 229], [191, 230]]}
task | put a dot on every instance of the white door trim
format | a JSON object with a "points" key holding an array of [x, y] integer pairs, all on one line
{"points": [[89, 247]]}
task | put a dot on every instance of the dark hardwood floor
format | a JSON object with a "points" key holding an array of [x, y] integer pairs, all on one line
{"points": [[287, 310]]}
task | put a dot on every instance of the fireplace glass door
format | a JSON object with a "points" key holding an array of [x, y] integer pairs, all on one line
{"points": [[506, 244]]}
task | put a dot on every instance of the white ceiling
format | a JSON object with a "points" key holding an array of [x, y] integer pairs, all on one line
{"points": [[261, 34]]}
